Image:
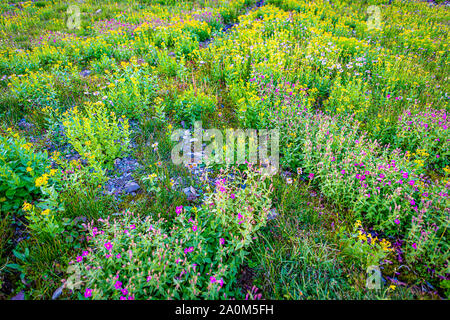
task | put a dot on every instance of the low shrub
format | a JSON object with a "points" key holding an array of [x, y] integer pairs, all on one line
{"points": [[197, 255], [23, 170], [194, 105], [131, 90], [97, 134]]}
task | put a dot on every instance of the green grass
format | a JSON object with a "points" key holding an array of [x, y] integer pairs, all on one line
{"points": [[297, 257]]}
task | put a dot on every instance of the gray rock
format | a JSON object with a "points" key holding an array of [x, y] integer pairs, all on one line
{"points": [[57, 293], [23, 124], [19, 296], [131, 187], [190, 193], [273, 214], [85, 73]]}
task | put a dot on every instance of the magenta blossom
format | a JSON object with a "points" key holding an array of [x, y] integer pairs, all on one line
{"points": [[187, 250], [88, 293], [118, 285], [108, 246]]}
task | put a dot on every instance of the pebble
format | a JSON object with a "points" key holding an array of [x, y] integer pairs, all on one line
{"points": [[19, 296], [57, 293], [131, 187], [273, 214], [191, 193], [85, 73]]}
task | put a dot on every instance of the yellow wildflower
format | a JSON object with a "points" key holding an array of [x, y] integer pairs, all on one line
{"points": [[27, 146], [26, 206], [42, 181]]}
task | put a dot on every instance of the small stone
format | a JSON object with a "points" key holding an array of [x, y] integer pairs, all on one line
{"points": [[57, 293], [273, 214], [131, 187], [85, 73], [190, 193], [19, 296]]}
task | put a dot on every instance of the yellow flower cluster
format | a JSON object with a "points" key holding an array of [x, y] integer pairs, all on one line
{"points": [[27, 206], [42, 180], [367, 238]]}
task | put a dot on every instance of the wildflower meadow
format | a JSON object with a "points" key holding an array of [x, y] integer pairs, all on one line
{"points": [[224, 150]]}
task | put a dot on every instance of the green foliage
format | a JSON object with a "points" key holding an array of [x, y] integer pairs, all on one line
{"points": [[362, 248], [104, 63], [97, 134], [6, 234], [81, 193], [194, 105], [196, 255], [20, 165], [34, 89], [425, 135], [131, 90]]}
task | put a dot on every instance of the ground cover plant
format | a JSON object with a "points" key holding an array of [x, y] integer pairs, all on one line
{"points": [[97, 98]]}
